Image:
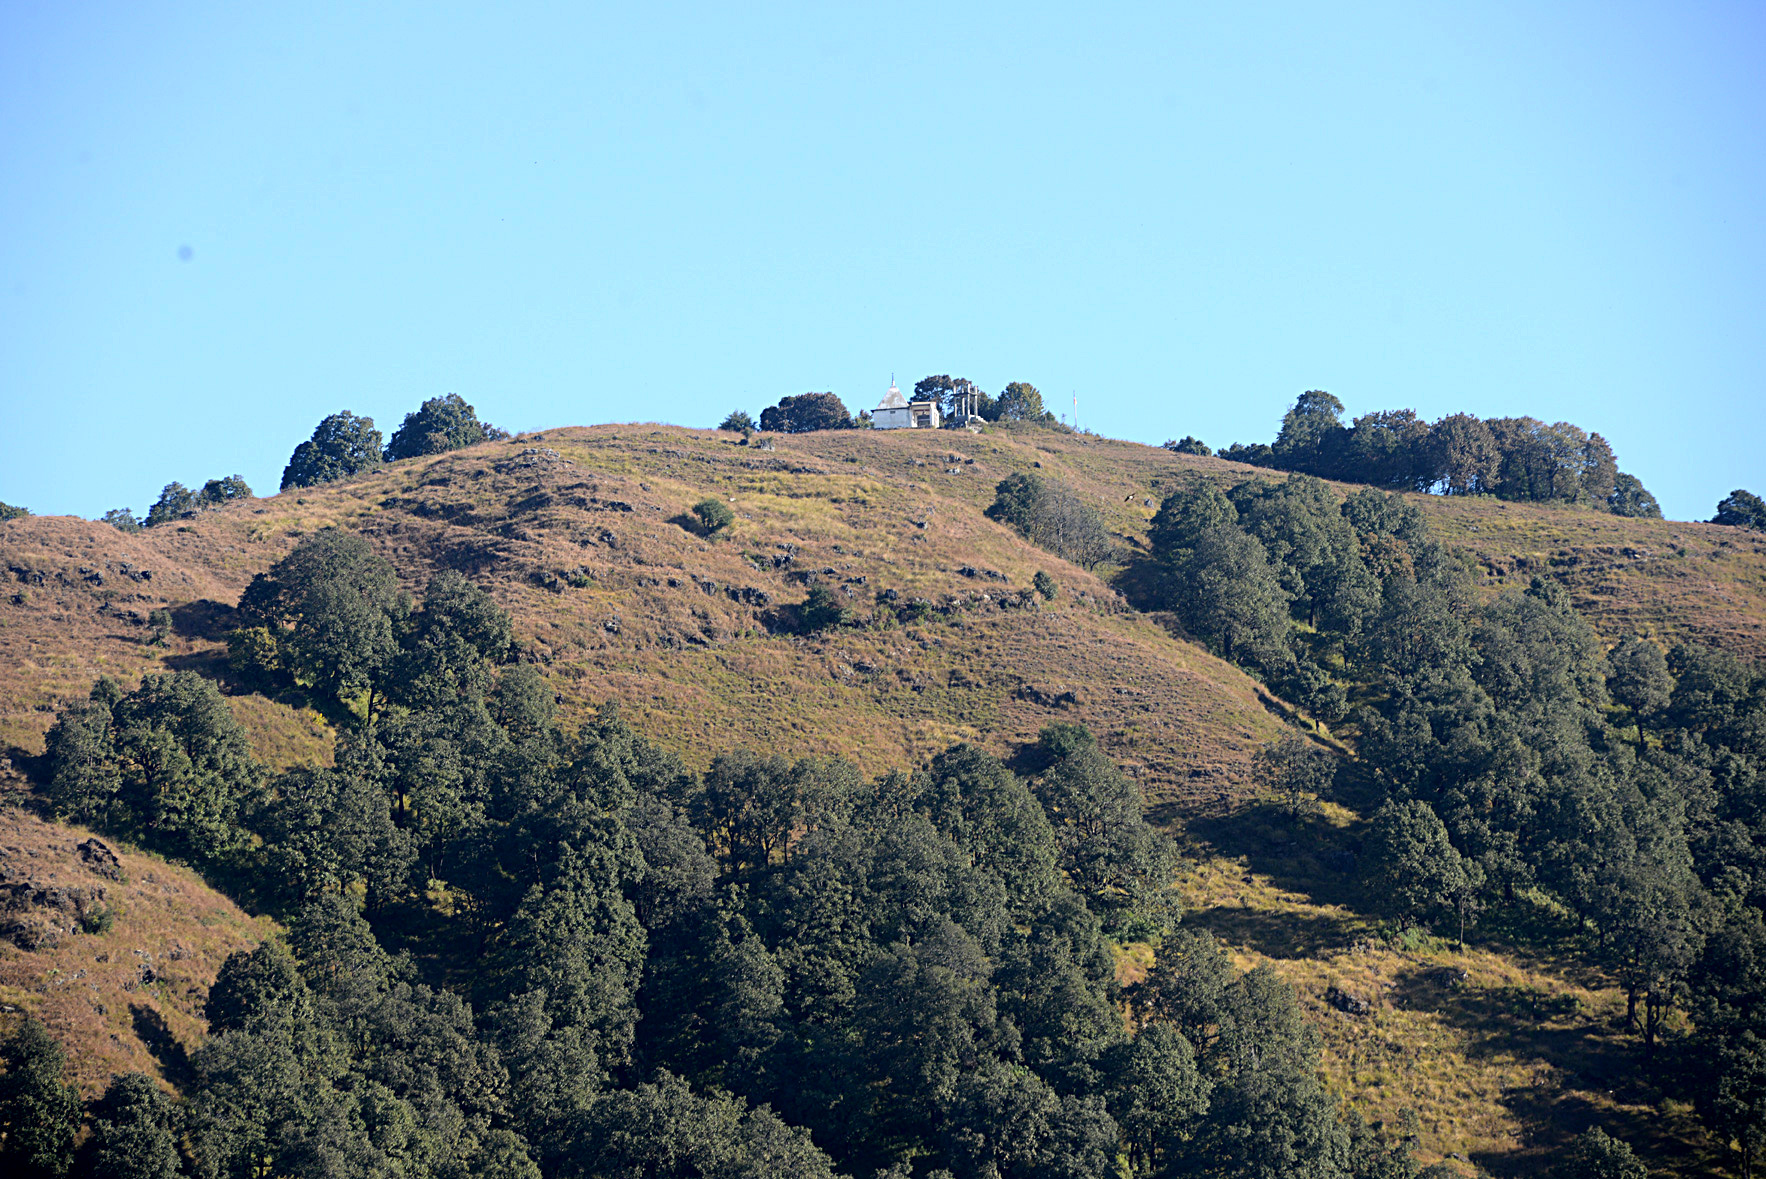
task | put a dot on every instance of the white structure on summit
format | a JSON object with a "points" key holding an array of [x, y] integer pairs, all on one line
{"points": [[896, 413]]}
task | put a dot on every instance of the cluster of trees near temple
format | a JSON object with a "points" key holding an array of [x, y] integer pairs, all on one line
{"points": [[1511, 458], [517, 949], [803, 413]]}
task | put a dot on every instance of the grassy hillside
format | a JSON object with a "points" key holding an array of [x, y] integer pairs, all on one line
{"points": [[583, 535], [124, 998]]}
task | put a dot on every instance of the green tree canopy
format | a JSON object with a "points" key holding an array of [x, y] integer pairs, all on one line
{"points": [[332, 606], [342, 445], [1020, 401], [804, 413], [39, 1112], [1631, 498], [714, 515], [441, 424], [1742, 509]]}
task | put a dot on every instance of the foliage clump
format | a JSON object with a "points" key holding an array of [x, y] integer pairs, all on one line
{"points": [[1050, 514], [177, 502], [439, 425], [714, 515], [1189, 444], [773, 967], [806, 412], [1511, 458], [342, 445], [1741, 509]]}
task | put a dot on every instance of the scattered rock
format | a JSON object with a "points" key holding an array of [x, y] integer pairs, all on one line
{"points": [[100, 859], [1345, 1002]]}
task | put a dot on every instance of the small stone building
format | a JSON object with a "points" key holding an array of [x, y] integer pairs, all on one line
{"points": [[895, 412]]}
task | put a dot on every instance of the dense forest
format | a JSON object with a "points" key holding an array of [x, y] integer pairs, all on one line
{"points": [[1514, 765], [518, 950]]}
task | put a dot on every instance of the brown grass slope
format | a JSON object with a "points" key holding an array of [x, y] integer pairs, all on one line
{"points": [[125, 999], [582, 535]]}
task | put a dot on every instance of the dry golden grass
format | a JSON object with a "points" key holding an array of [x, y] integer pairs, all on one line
{"points": [[1503, 1054], [129, 999]]}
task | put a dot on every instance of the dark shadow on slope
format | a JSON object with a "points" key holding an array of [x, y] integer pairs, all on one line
{"points": [[1277, 935], [1303, 854], [203, 619], [162, 1045], [1577, 1060]]}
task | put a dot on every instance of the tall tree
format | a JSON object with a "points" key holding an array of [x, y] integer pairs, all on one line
{"points": [[39, 1112], [1413, 870], [1021, 401], [1465, 457], [175, 502], [331, 606], [1389, 448], [804, 413], [440, 424], [1311, 433], [1742, 509], [342, 445], [1639, 680], [1631, 498], [132, 1132]]}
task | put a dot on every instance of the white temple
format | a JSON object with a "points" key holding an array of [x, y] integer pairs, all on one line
{"points": [[896, 413]]}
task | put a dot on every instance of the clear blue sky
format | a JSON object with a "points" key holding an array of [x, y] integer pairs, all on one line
{"points": [[576, 213]]}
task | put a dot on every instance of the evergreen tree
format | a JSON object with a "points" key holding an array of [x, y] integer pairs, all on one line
{"points": [[342, 445], [441, 424], [39, 1112], [175, 502], [1020, 401], [1119, 865], [133, 1133], [1413, 872], [1639, 680], [1595, 1156], [331, 608], [1631, 498], [1742, 509], [805, 413]]}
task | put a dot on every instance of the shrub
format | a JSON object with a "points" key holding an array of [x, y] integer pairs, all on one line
{"points": [[441, 424], [738, 422], [1189, 444], [1045, 585], [121, 519], [714, 515], [12, 511], [822, 610]]}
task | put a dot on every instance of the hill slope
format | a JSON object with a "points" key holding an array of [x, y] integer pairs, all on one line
{"points": [[122, 998], [582, 534]]}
